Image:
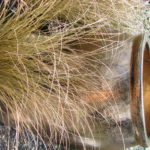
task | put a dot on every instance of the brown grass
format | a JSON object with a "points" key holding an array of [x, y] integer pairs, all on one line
{"points": [[44, 75]]}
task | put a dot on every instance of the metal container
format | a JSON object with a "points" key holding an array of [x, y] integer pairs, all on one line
{"points": [[139, 83], [133, 127]]}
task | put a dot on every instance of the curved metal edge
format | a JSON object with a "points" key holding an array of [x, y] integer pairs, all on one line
{"points": [[136, 90]]}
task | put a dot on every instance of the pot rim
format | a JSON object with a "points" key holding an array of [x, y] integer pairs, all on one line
{"points": [[140, 44]]}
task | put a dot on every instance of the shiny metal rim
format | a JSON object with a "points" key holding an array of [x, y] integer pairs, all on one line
{"points": [[140, 44]]}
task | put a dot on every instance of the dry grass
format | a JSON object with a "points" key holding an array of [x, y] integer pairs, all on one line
{"points": [[45, 75]]}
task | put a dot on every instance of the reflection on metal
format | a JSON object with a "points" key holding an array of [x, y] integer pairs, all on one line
{"points": [[132, 128]]}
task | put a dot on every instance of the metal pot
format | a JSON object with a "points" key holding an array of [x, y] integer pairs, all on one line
{"points": [[134, 126], [139, 84]]}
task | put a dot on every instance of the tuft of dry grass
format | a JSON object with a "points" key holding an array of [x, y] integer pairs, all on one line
{"points": [[52, 53]]}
